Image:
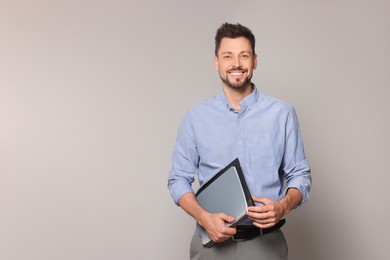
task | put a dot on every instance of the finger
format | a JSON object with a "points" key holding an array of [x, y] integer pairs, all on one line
{"points": [[258, 216], [268, 205], [223, 234], [255, 198], [266, 225], [264, 218], [259, 209], [221, 226], [226, 218], [220, 238], [261, 200], [230, 231]]}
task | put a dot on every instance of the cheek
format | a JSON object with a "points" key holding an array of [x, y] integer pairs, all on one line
{"points": [[222, 69]]}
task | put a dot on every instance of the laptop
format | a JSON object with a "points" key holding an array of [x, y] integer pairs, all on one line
{"points": [[227, 192]]}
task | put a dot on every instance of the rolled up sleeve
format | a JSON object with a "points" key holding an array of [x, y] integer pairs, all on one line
{"points": [[295, 166], [185, 161]]}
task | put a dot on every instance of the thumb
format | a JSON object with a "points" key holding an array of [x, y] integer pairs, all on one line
{"points": [[227, 218]]}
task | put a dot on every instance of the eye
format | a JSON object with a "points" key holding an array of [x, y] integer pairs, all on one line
{"points": [[245, 56], [227, 57]]}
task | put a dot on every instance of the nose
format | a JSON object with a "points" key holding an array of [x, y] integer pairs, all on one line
{"points": [[237, 62]]}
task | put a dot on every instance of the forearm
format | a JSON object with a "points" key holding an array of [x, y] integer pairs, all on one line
{"points": [[190, 205], [291, 200]]}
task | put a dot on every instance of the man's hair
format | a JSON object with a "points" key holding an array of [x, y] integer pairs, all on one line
{"points": [[228, 30]]}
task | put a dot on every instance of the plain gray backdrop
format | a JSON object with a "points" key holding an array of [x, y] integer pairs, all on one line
{"points": [[92, 92]]}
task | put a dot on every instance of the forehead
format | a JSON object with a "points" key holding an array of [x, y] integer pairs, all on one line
{"points": [[239, 44]]}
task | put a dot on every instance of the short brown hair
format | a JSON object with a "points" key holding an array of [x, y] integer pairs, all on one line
{"points": [[228, 30]]}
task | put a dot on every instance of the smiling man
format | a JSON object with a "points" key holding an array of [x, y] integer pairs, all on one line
{"points": [[261, 131], [236, 59]]}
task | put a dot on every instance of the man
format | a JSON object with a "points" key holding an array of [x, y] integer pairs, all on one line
{"points": [[263, 133]]}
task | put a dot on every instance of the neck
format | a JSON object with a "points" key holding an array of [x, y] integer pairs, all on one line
{"points": [[235, 96]]}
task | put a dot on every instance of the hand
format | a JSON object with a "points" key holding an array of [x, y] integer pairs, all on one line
{"points": [[268, 215], [215, 226]]}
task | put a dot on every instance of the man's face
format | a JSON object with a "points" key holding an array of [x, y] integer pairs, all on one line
{"points": [[235, 62]]}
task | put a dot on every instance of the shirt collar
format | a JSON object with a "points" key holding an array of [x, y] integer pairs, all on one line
{"points": [[246, 103]]}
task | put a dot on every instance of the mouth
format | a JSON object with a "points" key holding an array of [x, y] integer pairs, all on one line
{"points": [[236, 73]]}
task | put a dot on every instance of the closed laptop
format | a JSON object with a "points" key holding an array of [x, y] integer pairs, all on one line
{"points": [[227, 192]]}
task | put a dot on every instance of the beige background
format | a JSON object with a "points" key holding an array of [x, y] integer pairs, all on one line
{"points": [[92, 92]]}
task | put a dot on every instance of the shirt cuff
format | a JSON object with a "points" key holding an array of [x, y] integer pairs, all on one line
{"points": [[302, 188], [177, 190]]}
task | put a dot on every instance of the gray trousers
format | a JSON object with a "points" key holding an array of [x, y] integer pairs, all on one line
{"points": [[271, 246]]}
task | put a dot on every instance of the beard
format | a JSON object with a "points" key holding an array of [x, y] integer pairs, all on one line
{"points": [[237, 85]]}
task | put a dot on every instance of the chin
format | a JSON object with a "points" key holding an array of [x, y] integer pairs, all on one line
{"points": [[243, 85]]}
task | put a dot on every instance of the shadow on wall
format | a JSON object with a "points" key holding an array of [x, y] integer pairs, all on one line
{"points": [[318, 231], [301, 235]]}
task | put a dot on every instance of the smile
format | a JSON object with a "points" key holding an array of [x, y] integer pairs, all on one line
{"points": [[236, 73]]}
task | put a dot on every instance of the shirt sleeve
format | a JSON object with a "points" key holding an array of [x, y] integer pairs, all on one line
{"points": [[295, 165], [185, 161]]}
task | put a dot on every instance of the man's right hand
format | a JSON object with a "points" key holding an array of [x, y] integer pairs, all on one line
{"points": [[215, 226]]}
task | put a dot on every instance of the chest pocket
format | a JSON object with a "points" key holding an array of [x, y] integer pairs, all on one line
{"points": [[266, 151]]}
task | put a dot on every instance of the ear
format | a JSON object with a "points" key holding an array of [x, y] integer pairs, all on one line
{"points": [[216, 63], [254, 61]]}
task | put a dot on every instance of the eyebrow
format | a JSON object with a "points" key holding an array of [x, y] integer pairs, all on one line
{"points": [[229, 52]]}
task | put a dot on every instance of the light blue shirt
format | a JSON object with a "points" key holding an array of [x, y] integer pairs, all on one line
{"points": [[264, 135]]}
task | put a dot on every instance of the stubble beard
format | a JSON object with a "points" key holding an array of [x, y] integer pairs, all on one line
{"points": [[236, 85]]}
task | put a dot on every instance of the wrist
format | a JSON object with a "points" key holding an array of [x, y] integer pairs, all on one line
{"points": [[202, 216], [291, 200], [285, 204]]}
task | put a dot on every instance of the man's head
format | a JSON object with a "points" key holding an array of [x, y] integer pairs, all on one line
{"points": [[235, 57], [233, 31]]}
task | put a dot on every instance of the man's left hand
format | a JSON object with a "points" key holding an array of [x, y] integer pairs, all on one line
{"points": [[267, 215]]}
